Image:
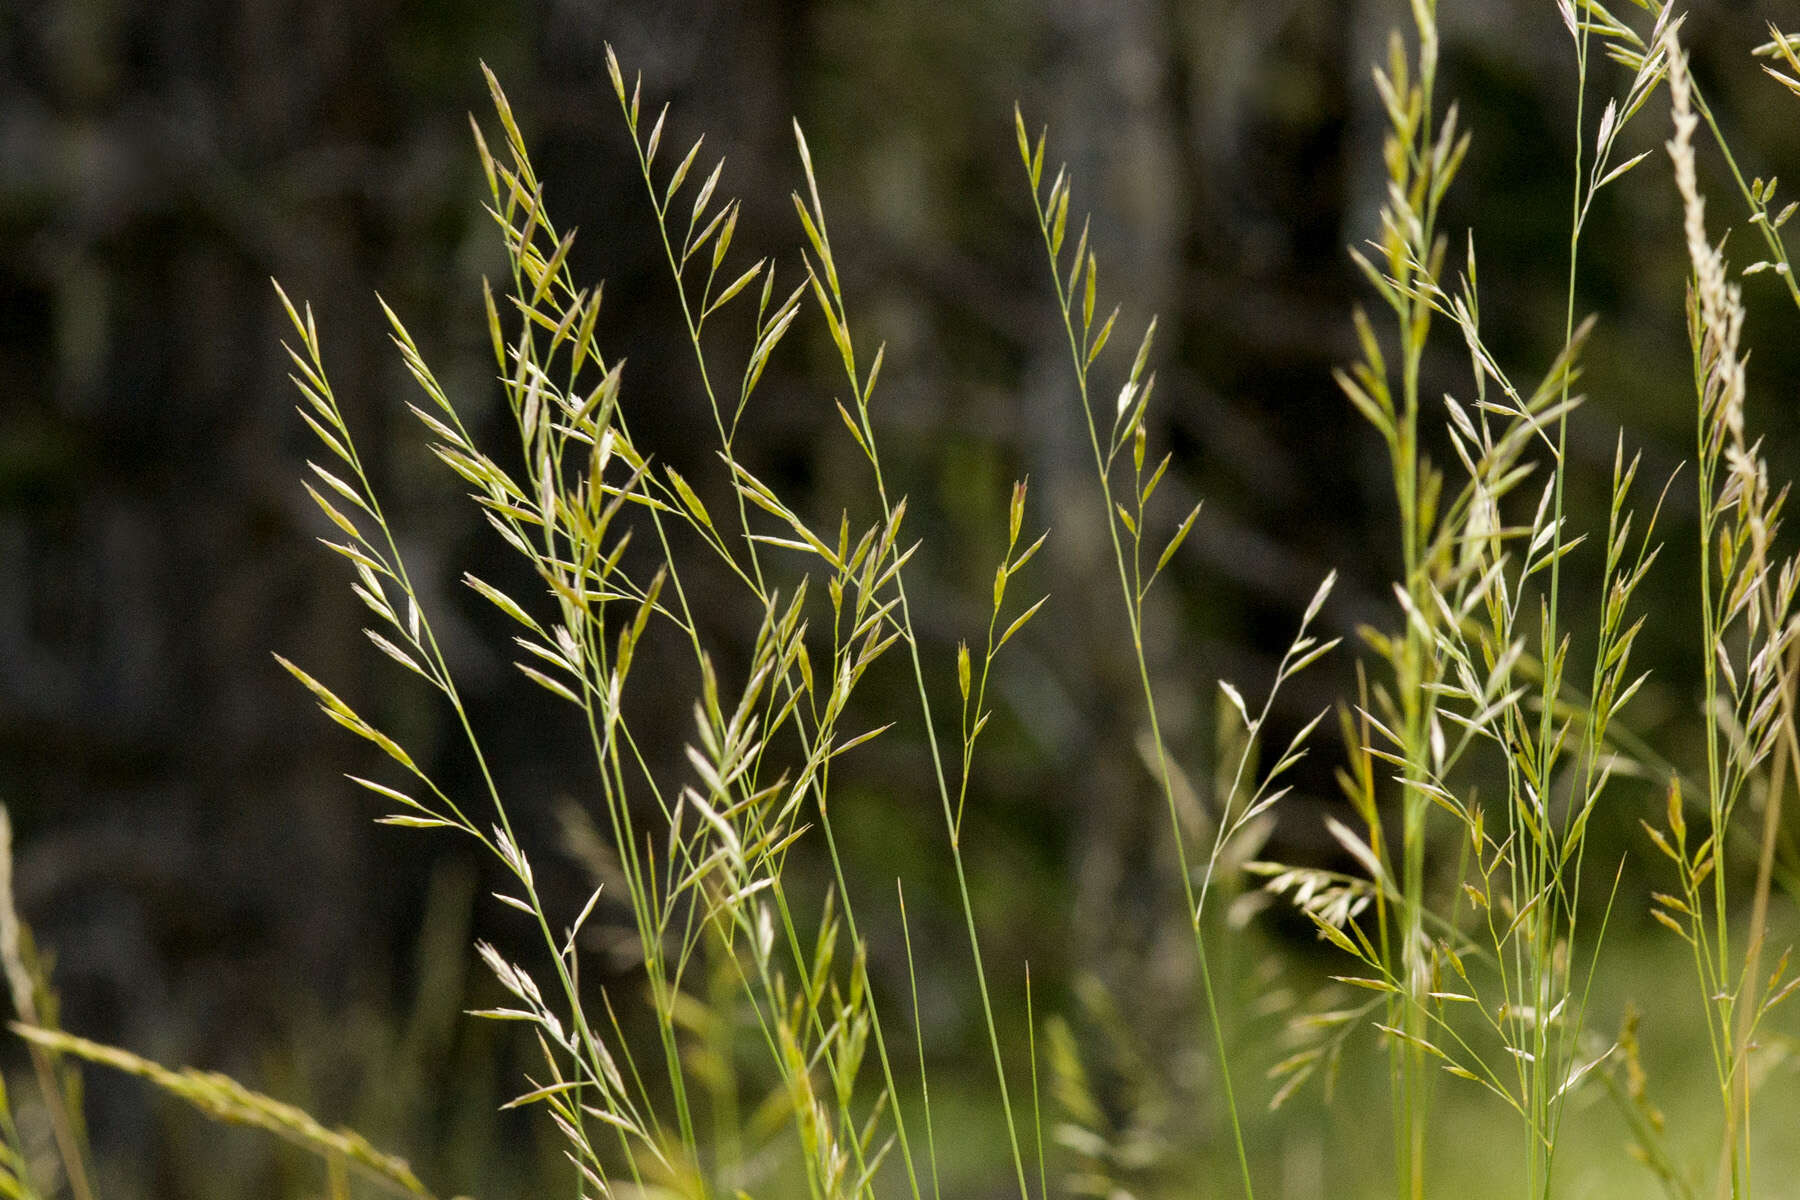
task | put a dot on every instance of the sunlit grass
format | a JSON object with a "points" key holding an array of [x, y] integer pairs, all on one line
{"points": [[1461, 1027]]}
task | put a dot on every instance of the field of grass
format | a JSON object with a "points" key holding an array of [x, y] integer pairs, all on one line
{"points": [[1438, 908]]}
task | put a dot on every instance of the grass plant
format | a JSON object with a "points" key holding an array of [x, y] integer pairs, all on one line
{"points": [[1487, 725], [1485, 969]]}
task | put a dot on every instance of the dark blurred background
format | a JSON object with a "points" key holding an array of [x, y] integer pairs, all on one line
{"points": [[213, 891]]}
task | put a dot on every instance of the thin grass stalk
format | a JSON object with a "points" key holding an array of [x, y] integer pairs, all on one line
{"points": [[1537, 1176], [592, 649], [1784, 764], [1748, 708], [1050, 228], [726, 439], [1414, 316], [1564, 885], [912, 979], [1787, 759], [828, 292], [660, 205]]}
